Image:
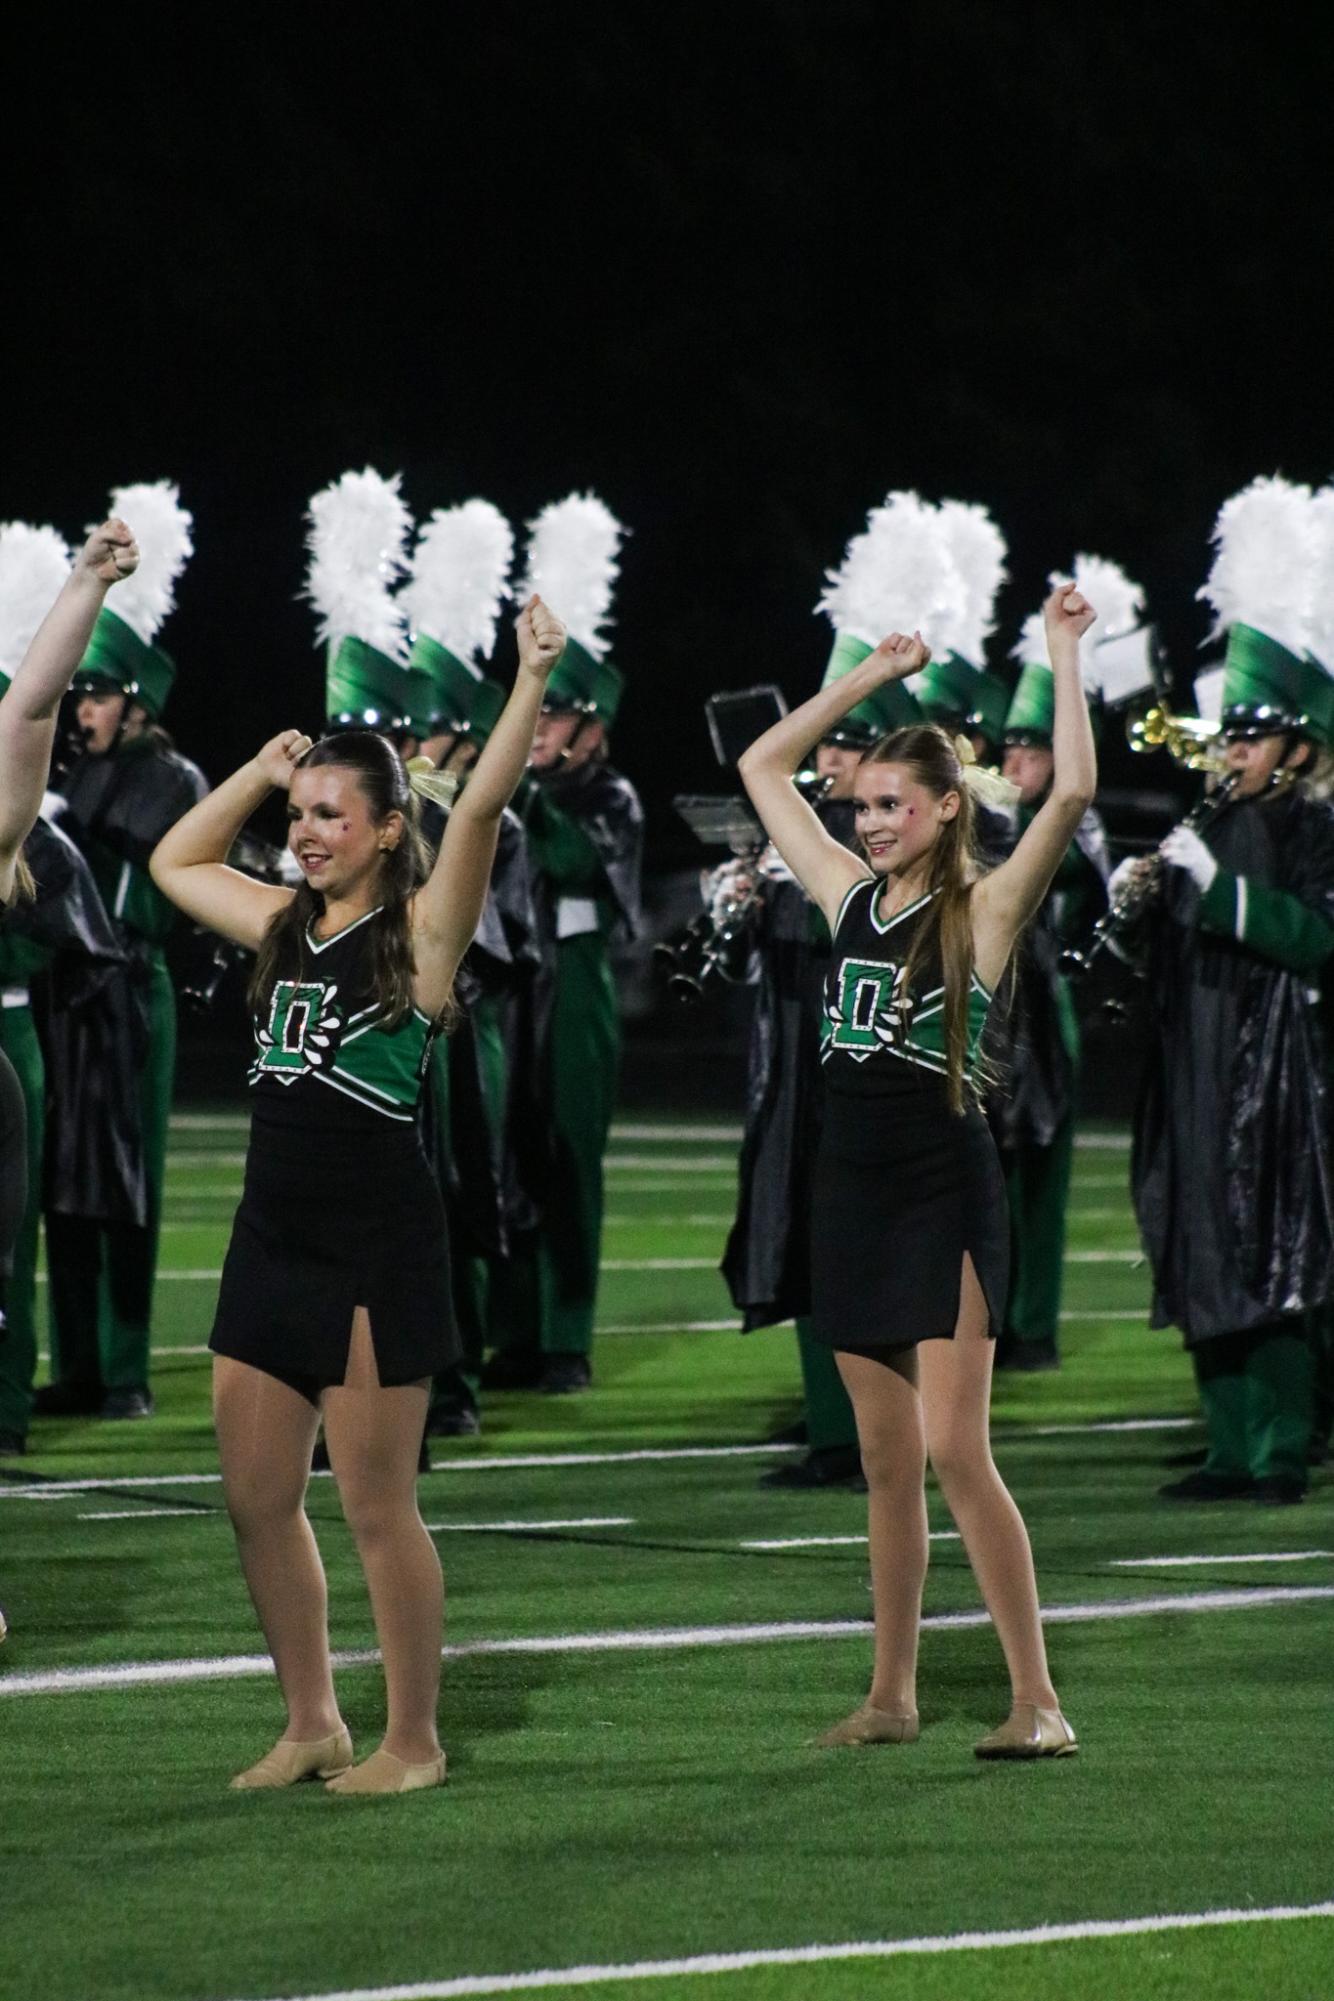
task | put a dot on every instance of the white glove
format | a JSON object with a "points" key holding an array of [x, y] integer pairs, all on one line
{"points": [[1120, 879], [52, 806], [1186, 850]]}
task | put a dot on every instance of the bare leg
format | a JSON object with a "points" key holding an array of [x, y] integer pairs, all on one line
{"points": [[265, 1434], [888, 1411], [955, 1378], [373, 1436]]}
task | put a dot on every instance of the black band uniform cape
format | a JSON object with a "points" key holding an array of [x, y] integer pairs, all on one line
{"points": [[904, 1186], [1231, 1170], [584, 828], [340, 1208], [103, 1192]]}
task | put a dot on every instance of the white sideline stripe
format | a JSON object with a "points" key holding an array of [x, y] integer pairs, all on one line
{"points": [[835, 1541], [669, 1135], [1097, 1313], [706, 1963], [234, 1667], [676, 1326], [515, 1528], [1181, 1562], [703, 1163], [192, 1273], [48, 1489], [208, 1122], [1135, 1257], [673, 1187], [659, 1264], [1102, 1142], [149, 1514], [204, 1157], [717, 1219]]}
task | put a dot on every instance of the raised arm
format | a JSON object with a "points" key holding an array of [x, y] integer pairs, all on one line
{"points": [[448, 907], [825, 869], [1004, 901], [189, 863], [31, 703]]}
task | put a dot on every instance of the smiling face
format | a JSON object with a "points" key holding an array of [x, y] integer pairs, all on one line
{"points": [[897, 817], [330, 830]]}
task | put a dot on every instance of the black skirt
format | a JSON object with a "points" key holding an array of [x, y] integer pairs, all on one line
{"points": [[328, 1222], [903, 1188]]}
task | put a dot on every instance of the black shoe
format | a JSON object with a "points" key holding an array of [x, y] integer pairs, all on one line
{"points": [[1196, 1457], [69, 1400], [829, 1466], [564, 1374], [453, 1421], [1028, 1357], [1279, 1490], [13, 1444], [792, 1434], [513, 1369], [1317, 1452], [1204, 1486], [127, 1403]]}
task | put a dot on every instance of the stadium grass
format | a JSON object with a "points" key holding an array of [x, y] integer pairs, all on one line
{"points": [[617, 1807]]}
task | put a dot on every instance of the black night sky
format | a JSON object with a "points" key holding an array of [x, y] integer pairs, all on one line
{"points": [[738, 268]]}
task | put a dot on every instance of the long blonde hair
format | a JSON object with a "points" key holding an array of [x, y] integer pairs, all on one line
{"points": [[953, 867]]}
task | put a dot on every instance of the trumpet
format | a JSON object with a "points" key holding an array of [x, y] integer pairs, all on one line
{"points": [[1188, 740], [1122, 917]]}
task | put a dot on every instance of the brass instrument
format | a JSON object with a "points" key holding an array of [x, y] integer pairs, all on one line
{"points": [[1188, 740], [1124, 915]]}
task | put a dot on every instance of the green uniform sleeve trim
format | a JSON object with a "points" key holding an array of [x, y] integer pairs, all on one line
{"points": [[1272, 922]]}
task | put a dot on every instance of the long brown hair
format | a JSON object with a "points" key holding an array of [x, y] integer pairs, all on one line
{"points": [[282, 953], [953, 867]]}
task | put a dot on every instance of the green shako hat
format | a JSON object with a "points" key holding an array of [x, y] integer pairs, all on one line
{"points": [[121, 656], [896, 576], [452, 601], [991, 705], [1273, 542], [357, 533], [948, 691], [34, 563], [572, 562]]}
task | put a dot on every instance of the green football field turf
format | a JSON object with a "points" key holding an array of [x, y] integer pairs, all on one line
{"points": [[629, 1702]]}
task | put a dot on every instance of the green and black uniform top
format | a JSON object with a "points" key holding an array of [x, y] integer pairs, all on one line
{"points": [[874, 1031], [324, 1058]]}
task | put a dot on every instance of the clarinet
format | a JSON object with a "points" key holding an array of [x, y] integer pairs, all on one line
{"points": [[711, 947], [1122, 918]]}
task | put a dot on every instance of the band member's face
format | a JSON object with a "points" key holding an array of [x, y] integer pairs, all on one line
{"points": [[337, 844], [565, 738], [1255, 759], [100, 717], [1030, 767], [835, 761], [897, 818]]}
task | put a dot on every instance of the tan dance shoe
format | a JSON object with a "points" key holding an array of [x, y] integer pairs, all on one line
{"points": [[871, 1726], [1030, 1732], [382, 1772], [289, 1762]]}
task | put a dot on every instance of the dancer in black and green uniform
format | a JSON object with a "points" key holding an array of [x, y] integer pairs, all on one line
{"points": [[125, 791]]}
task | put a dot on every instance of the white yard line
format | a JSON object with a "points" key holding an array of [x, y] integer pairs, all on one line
{"points": [[150, 1514], [1111, 1424], [149, 1674], [834, 1541], [702, 1163], [1102, 1142], [718, 1219], [463, 1986], [659, 1264], [670, 1135], [1186, 1562], [527, 1528], [1135, 1257]]}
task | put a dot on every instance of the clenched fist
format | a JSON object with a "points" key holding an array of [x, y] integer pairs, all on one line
{"points": [[541, 638], [1067, 613], [281, 756], [110, 553], [901, 656]]}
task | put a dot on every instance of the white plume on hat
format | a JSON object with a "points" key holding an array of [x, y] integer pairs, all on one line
{"points": [[357, 538], [896, 576], [161, 527], [1320, 606], [1116, 671], [572, 561], [457, 583], [978, 551], [34, 563], [1261, 575]]}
